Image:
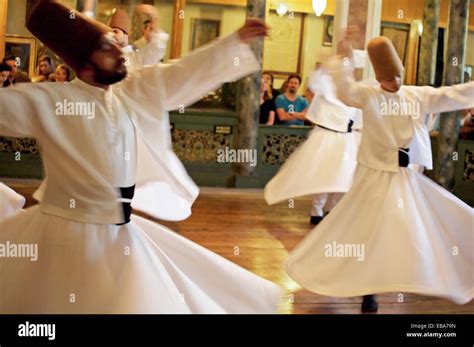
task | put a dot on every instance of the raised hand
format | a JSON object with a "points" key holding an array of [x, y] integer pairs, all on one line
{"points": [[344, 47], [252, 29]]}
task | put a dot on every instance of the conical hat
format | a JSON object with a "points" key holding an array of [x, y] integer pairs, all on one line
{"points": [[384, 58], [121, 20], [68, 33]]}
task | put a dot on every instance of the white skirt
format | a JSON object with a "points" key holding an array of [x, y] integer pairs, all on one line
{"points": [[392, 232], [324, 163], [141, 267]]}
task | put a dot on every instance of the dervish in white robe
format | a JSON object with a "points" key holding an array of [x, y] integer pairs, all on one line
{"points": [[324, 165], [91, 258], [395, 230]]}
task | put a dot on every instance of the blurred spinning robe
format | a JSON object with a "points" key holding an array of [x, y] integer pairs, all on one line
{"points": [[395, 230], [326, 161], [91, 166]]}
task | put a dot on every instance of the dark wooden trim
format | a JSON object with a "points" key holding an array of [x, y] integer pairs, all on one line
{"points": [[300, 48]]}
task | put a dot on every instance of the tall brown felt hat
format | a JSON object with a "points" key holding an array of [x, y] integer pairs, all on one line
{"points": [[384, 58], [121, 20], [68, 33]]}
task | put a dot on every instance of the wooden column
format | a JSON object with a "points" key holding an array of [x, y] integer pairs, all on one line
{"points": [[178, 27], [453, 74], [3, 25], [411, 63], [248, 104], [429, 43]]}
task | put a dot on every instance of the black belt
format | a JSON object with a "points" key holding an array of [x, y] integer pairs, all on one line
{"points": [[403, 157], [349, 127], [127, 194]]}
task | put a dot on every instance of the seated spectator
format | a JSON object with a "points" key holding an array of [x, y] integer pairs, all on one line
{"points": [[16, 75], [267, 104], [291, 108], [4, 73], [62, 74], [44, 70]]}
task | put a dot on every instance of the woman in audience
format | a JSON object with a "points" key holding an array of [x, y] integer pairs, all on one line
{"points": [[62, 74], [267, 104]]}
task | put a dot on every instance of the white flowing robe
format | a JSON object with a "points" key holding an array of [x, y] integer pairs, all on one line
{"points": [[395, 230], [85, 263], [326, 161]]}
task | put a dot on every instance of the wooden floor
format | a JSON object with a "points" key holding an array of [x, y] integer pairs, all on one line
{"points": [[240, 226]]}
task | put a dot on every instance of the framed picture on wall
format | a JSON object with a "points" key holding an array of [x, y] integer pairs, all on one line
{"points": [[283, 50], [399, 37], [24, 50], [203, 31], [328, 30]]}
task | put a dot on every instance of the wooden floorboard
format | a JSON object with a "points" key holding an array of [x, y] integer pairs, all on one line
{"points": [[241, 227]]}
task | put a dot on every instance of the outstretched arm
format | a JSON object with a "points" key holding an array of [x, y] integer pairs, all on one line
{"points": [[446, 99], [205, 69], [18, 116]]}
